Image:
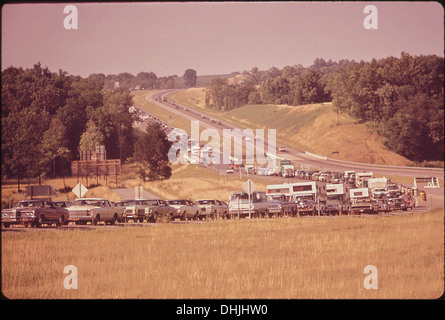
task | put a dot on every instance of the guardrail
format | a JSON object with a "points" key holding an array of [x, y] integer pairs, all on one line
{"points": [[372, 165]]}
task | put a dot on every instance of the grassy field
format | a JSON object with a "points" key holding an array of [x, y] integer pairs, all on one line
{"points": [[286, 258]]}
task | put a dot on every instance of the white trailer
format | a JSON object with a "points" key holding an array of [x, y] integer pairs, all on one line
{"points": [[361, 179], [378, 187], [314, 191], [359, 193]]}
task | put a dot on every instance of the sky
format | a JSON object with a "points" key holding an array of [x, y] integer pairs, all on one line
{"points": [[213, 37]]}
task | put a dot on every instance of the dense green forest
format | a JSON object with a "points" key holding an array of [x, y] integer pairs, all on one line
{"points": [[47, 118], [402, 98]]}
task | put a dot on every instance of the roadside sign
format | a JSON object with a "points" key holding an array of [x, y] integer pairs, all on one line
{"points": [[39, 191], [80, 190], [249, 186]]}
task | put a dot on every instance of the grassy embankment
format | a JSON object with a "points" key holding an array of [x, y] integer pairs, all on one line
{"points": [[309, 128], [313, 258]]}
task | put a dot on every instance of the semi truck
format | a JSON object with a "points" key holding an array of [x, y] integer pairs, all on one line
{"points": [[287, 169]]}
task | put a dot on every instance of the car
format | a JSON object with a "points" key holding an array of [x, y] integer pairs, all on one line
{"points": [[135, 210], [282, 149], [12, 215], [410, 202], [364, 206], [93, 210], [212, 208], [121, 205], [397, 204], [159, 210], [229, 171], [185, 209], [35, 213], [383, 205]]}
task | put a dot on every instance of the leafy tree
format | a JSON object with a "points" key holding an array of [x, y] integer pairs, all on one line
{"points": [[53, 144], [151, 154], [190, 78], [91, 138], [114, 121]]}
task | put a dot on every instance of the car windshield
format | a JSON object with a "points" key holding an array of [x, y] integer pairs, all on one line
{"points": [[84, 202], [25, 204], [151, 202], [124, 203], [143, 202], [240, 196], [206, 202], [177, 202]]}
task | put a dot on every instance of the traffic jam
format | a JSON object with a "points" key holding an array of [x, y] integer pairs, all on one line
{"points": [[318, 193]]}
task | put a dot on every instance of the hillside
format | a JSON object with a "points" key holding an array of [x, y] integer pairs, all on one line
{"points": [[309, 128]]}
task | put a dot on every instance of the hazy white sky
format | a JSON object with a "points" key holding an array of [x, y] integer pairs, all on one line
{"points": [[211, 37]]}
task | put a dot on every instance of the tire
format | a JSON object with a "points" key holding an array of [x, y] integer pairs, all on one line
{"points": [[96, 219], [60, 222], [113, 222], [39, 221]]}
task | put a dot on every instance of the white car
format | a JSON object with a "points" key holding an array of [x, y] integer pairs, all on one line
{"points": [[212, 208], [185, 209], [93, 210]]}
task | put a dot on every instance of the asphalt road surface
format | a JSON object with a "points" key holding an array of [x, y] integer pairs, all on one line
{"points": [[130, 193]]}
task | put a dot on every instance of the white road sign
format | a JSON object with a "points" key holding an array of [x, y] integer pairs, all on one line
{"points": [[249, 186], [80, 190]]}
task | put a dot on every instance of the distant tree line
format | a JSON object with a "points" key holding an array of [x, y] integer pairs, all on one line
{"points": [[402, 98], [146, 80]]}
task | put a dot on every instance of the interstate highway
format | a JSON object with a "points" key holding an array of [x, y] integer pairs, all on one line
{"points": [[299, 158]]}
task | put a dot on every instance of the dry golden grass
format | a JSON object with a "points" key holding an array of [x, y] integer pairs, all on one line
{"points": [[194, 182], [286, 258]]}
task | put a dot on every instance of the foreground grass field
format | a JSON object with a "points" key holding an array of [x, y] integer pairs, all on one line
{"points": [[286, 258]]}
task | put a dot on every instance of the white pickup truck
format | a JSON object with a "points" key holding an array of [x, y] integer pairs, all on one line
{"points": [[239, 204], [93, 210]]}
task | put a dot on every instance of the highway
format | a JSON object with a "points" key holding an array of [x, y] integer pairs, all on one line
{"points": [[307, 160], [299, 158]]}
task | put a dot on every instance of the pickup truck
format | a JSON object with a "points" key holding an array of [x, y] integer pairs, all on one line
{"points": [[239, 204], [278, 205], [35, 213], [185, 209], [212, 208], [94, 210], [159, 210]]}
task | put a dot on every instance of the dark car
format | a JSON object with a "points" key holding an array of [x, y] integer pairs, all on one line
{"points": [[38, 212], [397, 204]]}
